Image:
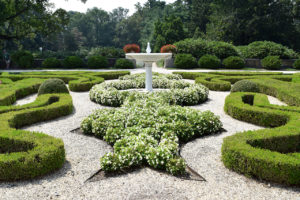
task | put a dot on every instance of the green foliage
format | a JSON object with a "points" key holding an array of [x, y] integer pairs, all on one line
{"points": [[268, 154], [262, 49], [78, 81], [147, 130], [123, 63], [73, 62], [167, 32], [200, 47], [25, 18], [222, 49], [271, 62], [97, 62], [245, 86], [296, 64], [22, 58], [185, 61], [234, 62], [51, 63], [24, 154], [209, 61], [109, 52], [53, 86]]}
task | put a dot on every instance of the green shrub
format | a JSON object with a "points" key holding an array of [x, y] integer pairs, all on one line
{"points": [[271, 62], [123, 63], [209, 61], [97, 62], [73, 62], [234, 62], [296, 64], [23, 58], [245, 86], [53, 86], [185, 61], [108, 52], [197, 48], [262, 49], [51, 63], [222, 49]]}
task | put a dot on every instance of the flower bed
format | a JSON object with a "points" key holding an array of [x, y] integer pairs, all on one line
{"points": [[180, 93], [148, 130]]}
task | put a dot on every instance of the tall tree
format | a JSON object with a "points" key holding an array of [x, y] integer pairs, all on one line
{"points": [[23, 18]]}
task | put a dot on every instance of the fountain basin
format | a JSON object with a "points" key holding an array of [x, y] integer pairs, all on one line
{"points": [[148, 57]]}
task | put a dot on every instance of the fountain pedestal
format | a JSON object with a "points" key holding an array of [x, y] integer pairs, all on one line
{"points": [[148, 59]]}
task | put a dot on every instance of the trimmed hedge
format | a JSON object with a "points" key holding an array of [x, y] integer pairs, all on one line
{"points": [[54, 85], [97, 62], [27, 155], [185, 61], [209, 61], [268, 154], [234, 62], [296, 64], [51, 63], [245, 86], [78, 80], [73, 62], [123, 63]]}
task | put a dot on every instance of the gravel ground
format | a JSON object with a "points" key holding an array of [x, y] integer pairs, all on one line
{"points": [[83, 153]]}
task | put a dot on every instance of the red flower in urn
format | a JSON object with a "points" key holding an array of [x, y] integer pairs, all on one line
{"points": [[132, 48], [169, 48]]}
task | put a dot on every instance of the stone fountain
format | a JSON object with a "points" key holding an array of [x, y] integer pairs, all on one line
{"points": [[148, 58]]}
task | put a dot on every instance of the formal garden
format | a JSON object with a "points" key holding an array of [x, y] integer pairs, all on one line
{"points": [[186, 105]]}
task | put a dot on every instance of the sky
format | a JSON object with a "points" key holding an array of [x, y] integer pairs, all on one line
{"points": [[108, 5]]}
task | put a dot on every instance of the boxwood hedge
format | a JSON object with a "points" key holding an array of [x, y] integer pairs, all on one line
{"points": [[24, 154]]}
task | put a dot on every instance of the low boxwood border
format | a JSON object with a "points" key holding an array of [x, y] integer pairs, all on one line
{"points": [[78, 81], [268, 154], [24, 154]]}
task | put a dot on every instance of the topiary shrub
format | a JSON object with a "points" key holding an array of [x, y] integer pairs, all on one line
{"points": [[53, 86], [271, 62], [51, 63], [73, 62], [123, 63], [296, 64], [22, 58], [234, 62], [245, 86], [222, 49], [209, 61], [185, 61], [97, 62]]}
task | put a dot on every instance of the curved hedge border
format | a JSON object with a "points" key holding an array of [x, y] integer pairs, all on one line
{"points": [[78, 80], [269, 154], [24, 154], [180, 93], [222, 81]]}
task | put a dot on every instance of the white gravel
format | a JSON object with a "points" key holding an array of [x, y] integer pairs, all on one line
{"points": [[83, 153]]}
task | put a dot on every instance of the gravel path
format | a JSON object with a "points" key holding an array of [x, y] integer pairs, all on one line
{"points": [[83, 153]]}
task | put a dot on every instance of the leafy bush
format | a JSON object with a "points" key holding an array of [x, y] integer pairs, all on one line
{"points": [[53, 86], [234, 62], [51, 63], [123, 63], [271, 62], [296, 64], [262, 49], [209, 61], [185, 61], [245, 86], [73, 62], [22, 58], [108, 52], [97, 62], [222, 49], [137, 142]]}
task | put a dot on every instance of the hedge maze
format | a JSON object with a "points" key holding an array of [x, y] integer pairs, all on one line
{"points": [[25, 154], [271, 154]]}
